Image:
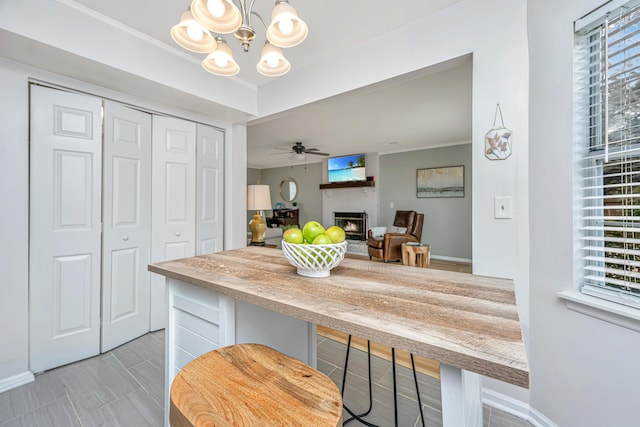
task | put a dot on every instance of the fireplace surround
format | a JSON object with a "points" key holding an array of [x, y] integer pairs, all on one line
{"points": [[354, 224]]}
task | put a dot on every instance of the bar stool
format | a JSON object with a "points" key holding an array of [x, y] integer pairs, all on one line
{"points": [[252, 385]]}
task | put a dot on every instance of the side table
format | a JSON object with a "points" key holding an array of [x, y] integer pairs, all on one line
{"points": [[416, 255]]}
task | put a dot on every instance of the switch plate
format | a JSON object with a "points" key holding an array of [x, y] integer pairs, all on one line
{"points": [[503, 207], [391, 205]]}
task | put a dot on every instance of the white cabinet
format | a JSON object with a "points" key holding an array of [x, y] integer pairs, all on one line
{"points": [[102, 207]]}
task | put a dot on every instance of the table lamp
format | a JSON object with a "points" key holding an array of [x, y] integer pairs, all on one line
{"points": [[258, 199]]}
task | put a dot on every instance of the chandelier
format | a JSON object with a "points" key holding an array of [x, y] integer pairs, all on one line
{"points": [[204, 17]]}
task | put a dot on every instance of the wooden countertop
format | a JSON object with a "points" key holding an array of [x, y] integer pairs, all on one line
{"points": [[463, 320]]}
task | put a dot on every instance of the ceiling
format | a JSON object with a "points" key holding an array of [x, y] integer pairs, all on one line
{"points": [[334, 25], [426, 108]]}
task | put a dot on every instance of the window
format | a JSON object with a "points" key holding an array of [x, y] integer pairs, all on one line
{"points": [[608, 157]]}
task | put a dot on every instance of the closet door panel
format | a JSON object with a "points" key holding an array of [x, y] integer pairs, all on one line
{"points": [[173, 202], [65, 227], [127, 224], [210, 190]]}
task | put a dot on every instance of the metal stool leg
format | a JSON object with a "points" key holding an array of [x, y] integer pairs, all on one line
{"points": [[354, 416], [415, 379], [358, 417]]}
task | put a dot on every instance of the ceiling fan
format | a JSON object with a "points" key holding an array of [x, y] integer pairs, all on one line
{"points": [[300, 149]]}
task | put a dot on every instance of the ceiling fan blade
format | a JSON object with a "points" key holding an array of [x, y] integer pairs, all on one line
{"points": [[280, 154], [283, 148], [317, 153]]}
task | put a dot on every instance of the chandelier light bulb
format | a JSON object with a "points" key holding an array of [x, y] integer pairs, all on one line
{"points": [[221, 61], [216, 8], [286, 26], [273, 61], [195, 31]]}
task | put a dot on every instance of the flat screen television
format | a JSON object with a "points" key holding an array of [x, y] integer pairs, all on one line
{"points": [[347, 168]]}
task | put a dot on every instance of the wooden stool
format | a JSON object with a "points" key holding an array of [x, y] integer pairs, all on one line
{"points": [[416, 256], [252, 385]]}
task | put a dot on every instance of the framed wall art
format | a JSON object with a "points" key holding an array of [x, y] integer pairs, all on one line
{"points": [[440, 182]]}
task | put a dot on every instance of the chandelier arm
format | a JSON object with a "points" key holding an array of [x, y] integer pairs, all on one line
{"points": [[260, 18], [250, 12]]}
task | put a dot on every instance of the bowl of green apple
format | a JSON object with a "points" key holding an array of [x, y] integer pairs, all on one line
{"points": [[314, 250]]}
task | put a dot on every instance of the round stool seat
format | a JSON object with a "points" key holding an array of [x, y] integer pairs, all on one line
{"points": [[252, 385]]}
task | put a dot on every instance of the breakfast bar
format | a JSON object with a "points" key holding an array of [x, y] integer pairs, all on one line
{"points": [[468, 323]]}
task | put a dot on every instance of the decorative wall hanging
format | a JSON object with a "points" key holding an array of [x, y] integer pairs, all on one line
{"points": [[440, 182], [498, 140]]}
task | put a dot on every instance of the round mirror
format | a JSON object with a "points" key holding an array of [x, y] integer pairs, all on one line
{"points": [[288, 189]]}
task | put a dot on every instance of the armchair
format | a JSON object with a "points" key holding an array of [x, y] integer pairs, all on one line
{"points": [[389, 247]]}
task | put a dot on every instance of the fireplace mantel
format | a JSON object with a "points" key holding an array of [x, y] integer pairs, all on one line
{"points": [[349, 184]]}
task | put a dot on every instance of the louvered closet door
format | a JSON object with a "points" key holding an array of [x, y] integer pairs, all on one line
{"points": [[173, 202], [64, 238], [127, 224], [209, 190]]}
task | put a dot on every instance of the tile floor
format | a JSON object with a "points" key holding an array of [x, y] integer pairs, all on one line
{"points": [[124, 387]]}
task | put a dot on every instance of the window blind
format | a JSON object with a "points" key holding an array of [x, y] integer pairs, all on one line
{"points": [[608, 154]]}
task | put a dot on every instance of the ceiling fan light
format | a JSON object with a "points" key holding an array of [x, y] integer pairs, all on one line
{"points": [[272, 62], [189, 34], [206, 12], [220, 62], [286, 28]]}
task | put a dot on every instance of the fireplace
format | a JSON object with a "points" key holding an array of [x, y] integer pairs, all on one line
{"points": [[354, 224]]}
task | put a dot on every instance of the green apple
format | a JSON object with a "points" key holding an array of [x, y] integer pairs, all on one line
{"points": [[336, 233], [322, 239], [293, 235], [312, 229]]}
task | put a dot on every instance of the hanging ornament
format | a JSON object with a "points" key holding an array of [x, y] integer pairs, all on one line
{"points": [[498, 140]]}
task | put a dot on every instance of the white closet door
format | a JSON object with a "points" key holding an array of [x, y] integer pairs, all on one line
{"points": [[65, 227], [173, 202], [210, 188], [127, 224]]}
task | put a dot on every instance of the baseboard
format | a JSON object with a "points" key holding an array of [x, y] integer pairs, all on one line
{"points": [[450, 258], [516, 408], [16, 381]]}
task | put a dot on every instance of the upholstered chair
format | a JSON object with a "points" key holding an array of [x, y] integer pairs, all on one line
{"points": [[389, 246]]}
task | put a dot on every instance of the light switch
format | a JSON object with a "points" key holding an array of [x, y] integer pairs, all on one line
{"points": [[391, 205], [503, 207]]}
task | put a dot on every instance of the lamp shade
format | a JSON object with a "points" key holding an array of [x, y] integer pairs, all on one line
{"points": [[272, 63], [220, 62], [286, 28], [258, 197], [220, 16], [192, 36]]}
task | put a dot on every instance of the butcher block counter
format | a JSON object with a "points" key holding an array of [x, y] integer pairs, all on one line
{"points": [[468, 323]]}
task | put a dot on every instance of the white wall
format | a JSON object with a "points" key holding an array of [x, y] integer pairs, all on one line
{"points": [[494, 31], [585, 371], [14, 202], [14, 192]]}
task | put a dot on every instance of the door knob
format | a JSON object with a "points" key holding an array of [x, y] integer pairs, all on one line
{"points": [[177, 233], [125, 237]]}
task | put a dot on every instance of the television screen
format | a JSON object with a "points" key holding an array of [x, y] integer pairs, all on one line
{"points": [[347, 168]]}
